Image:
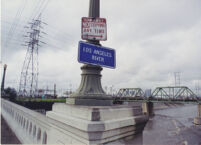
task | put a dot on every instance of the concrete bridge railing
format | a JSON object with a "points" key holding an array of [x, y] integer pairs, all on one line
{"points": [[70, 124], [29, 126]]}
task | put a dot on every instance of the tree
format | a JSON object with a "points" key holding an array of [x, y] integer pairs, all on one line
{"points": [[10, 93]]}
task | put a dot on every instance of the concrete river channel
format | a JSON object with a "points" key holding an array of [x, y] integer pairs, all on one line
{"points": [[171, 125]]}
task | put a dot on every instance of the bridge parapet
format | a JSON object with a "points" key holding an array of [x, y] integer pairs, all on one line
{"points": [[71, 124], [29, 126]]}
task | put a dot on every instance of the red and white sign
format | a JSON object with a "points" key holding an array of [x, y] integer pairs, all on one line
{"points": [[94, 29]]}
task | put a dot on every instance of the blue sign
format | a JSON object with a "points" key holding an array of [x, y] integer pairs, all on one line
{"points": [[97, 55]]}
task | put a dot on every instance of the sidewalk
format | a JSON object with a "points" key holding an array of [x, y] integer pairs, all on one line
{"points": [[7, 135]]}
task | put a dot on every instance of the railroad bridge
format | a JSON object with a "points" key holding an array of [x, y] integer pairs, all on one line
{"points": [[177, 94], [180, 94]]}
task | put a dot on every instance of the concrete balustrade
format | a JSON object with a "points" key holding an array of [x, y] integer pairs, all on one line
{"points": [[70, 124], [29, 126]]}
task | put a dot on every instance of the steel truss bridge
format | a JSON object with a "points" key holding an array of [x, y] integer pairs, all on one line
{"points": [[181, 94]]}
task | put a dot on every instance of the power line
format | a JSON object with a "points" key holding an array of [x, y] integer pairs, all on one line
{"points": [[42, 8], [38, 9], [15, 22], [36, 6], [52, 35], [34, 10]]}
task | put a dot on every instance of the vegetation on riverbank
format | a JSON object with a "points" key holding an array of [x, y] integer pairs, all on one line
{"points": [[62, 100]]}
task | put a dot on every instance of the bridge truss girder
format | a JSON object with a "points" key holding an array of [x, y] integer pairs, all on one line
{"points": [[177, 92], [130, 92]]}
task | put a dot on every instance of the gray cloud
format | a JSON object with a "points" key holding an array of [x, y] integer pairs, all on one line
{"points": [[153, 39]]}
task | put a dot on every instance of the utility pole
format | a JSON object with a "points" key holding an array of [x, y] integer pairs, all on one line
{"points": [[54, 90], [90, 91], [3, 79]]}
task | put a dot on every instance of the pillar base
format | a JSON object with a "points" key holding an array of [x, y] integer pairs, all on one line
{"points": [[96, 124], [148, 108], [197, 120], [89, 102], [90, 91]]}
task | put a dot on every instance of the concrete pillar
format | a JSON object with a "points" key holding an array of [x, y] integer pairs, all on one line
{"points": [[197, 120], [90, 92], [148, 108]]}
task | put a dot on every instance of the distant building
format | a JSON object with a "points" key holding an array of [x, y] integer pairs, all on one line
{"points": [[147, 92]]}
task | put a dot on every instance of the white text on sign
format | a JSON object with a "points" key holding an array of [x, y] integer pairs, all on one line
{"points": [[94, 29], [97, 55]]}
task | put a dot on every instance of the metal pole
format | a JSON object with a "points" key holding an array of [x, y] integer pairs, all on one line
{"points": [[3, 79], [90, 91], [54, 90], [94, 8], [94, 12]]}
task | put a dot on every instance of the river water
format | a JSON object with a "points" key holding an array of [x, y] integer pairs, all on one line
{"points": [[173, 126]]}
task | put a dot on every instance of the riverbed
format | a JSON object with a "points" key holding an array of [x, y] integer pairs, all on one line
{"points": [[173, 126]]}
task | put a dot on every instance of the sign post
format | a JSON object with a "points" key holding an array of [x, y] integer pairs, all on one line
{"points": [[90, 91]]}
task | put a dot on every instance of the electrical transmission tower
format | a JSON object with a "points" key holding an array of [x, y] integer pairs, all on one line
{"points": [[177, 78], [28, 86]]}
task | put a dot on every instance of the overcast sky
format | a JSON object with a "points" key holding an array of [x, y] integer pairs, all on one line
{"points": [[152, 38]]}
